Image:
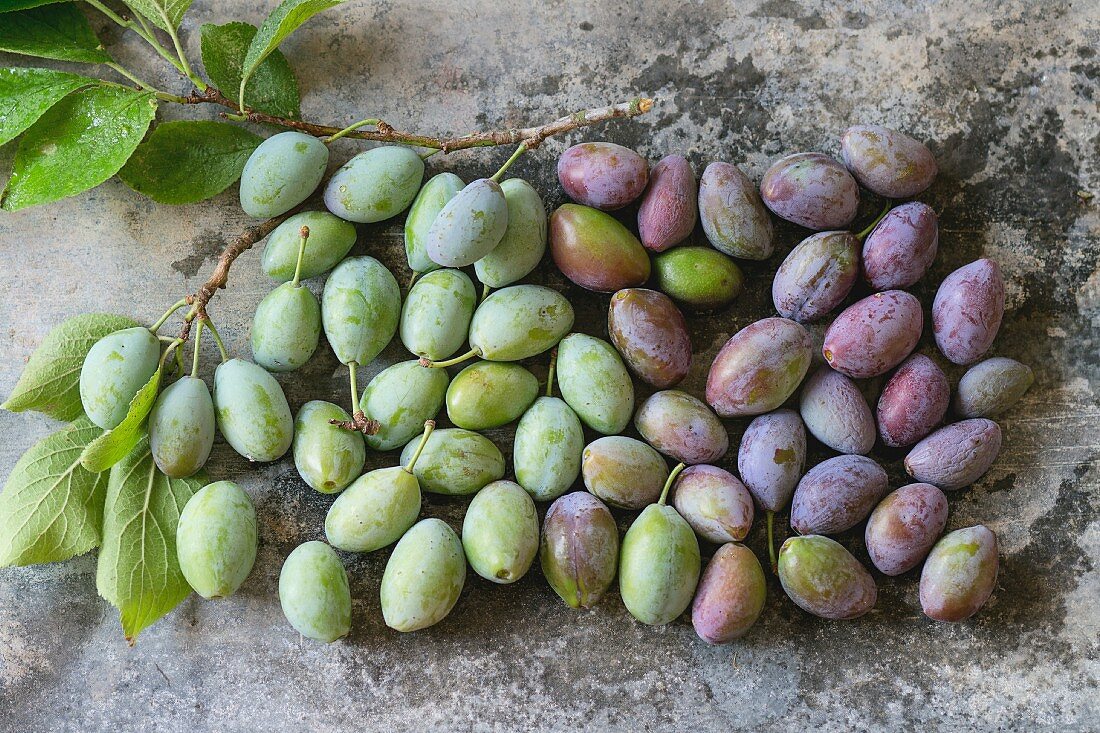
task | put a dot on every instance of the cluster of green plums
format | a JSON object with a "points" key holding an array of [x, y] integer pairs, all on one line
{"points": [[502, 231]]}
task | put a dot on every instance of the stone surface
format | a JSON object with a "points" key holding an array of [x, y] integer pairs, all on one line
{"points": [[1005, 91]]}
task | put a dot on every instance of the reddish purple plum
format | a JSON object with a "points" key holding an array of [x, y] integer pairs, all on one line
{"points": [[817, 276], [904, 526], [837, 494], [873, 335], [967, 311], [602, 175], [580, 549], [730, 595], [913, 402], [887, 162], [811, 190], [667, 214], [900, 249]]}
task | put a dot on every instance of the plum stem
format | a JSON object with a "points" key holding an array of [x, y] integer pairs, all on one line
{"points": [[304, 236], [217, 337], [771, 542], [871, 227], [351, 128], [429, 426], [412, 280], [550, 372], [668, 483], [195, 350], [353, 373], [485, 290], [508, 163], [168, 314], [425, 362]]}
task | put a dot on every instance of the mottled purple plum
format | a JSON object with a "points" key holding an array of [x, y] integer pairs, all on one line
{"points": [[904, 526], [901, 247], [730, 595], [873, 335], [913, 402], [991, 387], [734, 218], [837, 494], [823, 578], [888, 162], [835, 412], [956, 455], [682, 426], [580, 549], [959, 574], [602, 175], [667, 214], [967, 311], [650, 333], [716, 505], [817, 276], [624, 472], [759, 368], [595, 251], [771, 458], [811, 190]]}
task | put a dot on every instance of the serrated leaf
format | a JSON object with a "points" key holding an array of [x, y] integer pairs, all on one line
{"points": [[26, 94], [189, 160], [52, 32], [79, 143], [283, 21], [138, 572], [272, 88], [165, 14], [51, 508], [115, 444], [8, 6], [50, 382]]}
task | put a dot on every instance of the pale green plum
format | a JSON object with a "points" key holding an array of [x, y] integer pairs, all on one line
{"points": [[658, 565], [327, 457], [374, 511], [114, 371], [595, 383], [375, 185], [518, 322], [524, 242], [281, 173], [216, 539], [314, 592], [500, 532], [456, 462], [252, 411], [469, 226], [286, 328], [330, 240], [489, 394], [436, 315], [400, 398], [423, 577], [360, 309], [435, 194], [547, 448], [181, 427]]}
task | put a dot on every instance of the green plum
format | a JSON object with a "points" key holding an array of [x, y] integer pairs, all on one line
{"points": [[375, 185], [547, 449], [181, 427], [435, 194], [423, 577], [623, 471], [314, 592], [456, 461], [360, 309], [524, 241], [330, 240], [489, 394], [286, 328], [327, 457], [378, 507], [436, 315], [216, 539], [114, 371], [252, 411], [400, 398], [469, 226], [281, 173], [500, 532], [595, 383], [700, 278]]}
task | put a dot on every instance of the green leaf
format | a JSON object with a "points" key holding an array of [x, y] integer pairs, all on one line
{"points": [[187, 161], [138, 571], [26, 94], [7, 6], [51, 509], [50, 382], [115, 444], [79, 143], [52, 32], [165, 14], [272, 88], [283, 21]]}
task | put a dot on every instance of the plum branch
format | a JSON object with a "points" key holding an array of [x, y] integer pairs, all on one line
{"points": [[528, 137]]}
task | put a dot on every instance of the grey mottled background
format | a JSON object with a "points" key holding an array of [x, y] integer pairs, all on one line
{"points": [[1007, 93]]}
